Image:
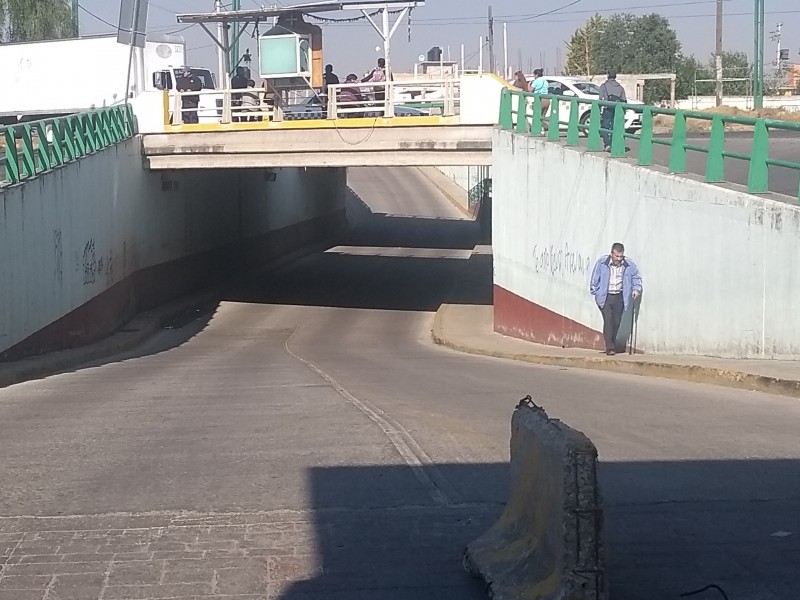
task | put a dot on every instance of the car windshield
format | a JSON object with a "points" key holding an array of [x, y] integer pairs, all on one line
{"points": [[587, 87]]}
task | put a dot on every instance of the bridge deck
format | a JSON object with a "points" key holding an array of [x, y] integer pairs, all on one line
{"points": [[403, 141]]}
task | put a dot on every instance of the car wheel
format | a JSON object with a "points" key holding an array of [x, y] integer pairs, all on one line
{"points": [[584, 120]]}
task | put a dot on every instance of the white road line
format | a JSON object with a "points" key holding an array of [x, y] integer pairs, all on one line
{"points": [[440, 490]]}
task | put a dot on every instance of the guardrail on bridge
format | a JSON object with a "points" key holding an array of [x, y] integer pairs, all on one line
{"points": [[39, 146], [536, 121]]}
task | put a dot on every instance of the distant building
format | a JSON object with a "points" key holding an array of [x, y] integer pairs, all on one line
{"points": [[793, 76]]}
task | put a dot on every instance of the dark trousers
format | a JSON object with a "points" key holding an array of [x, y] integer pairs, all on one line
{"points": [[607, 122], [612, 318]]}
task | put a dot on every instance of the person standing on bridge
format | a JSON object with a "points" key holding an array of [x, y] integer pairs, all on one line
{"points": [[615, 285], [612, 91], [539, 87], [189, 82]]}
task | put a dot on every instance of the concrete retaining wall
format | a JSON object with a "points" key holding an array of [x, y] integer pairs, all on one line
{"points": [[84, 247], [716, 262], [549, 543]]}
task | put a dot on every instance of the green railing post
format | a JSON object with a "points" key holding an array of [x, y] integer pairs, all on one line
{"points": [[99, 131], [715, 161], [573, 134], [522, 114], [69, 139], [105, 122], [44, 146], [28, 160], [536, 122], [119, 124], [131, 120], [677, 155], [553, 132], [58, 142], [646, 138], [506, 119], [595, 141], [88, 133], [758, 178], [12, 157], [618, 132]]}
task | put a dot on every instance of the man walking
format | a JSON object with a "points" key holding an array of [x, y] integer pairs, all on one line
{"points": [[615, 283], [611, 91]]}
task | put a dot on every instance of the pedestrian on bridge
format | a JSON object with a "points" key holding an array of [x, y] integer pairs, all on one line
{"points": [[612, 91], [615, 285], [189, 82]]}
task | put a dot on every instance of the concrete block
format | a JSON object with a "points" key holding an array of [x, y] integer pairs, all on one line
{"points": [[549, 543]]}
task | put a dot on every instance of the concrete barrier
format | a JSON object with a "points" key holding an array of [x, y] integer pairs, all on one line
{"points": [[549, 543]]}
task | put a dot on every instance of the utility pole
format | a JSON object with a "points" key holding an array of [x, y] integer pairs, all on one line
{"points": [[492, 62], [758, 54], [718, 53], [76, 30], [235, 5], [507, 73], [776, 37]]}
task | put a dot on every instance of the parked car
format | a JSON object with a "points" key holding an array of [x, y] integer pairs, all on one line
{"points": [[588, 90]]}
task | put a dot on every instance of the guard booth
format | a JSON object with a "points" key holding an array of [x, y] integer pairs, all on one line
{"points": [[290, 58]]}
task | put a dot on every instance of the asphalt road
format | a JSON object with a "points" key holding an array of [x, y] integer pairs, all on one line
{"points": [[304, 439], [782, 146]]}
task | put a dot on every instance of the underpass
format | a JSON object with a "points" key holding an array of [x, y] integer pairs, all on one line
{"points": [[303, 438]]}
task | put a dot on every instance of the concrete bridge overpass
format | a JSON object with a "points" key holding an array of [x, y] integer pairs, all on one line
{"points": [[360, 143]]}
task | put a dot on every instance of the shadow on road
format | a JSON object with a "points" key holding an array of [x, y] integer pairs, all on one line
{"points": [[673, 527], [388, 262]]}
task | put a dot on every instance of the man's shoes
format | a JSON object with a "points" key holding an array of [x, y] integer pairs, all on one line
{"points": [[611, 352], [607, 149]]}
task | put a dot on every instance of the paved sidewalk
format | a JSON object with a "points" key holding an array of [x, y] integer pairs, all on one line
{"points": [[468, 327]]}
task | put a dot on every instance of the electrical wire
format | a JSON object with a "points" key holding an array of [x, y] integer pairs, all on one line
{"points": [[91, 14], [482, 19]]}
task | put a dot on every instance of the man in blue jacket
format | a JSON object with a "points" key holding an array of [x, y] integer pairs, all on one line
{"points": [[615, 283]]}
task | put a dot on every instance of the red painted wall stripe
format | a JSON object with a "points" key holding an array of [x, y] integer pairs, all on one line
{"points": [[520, 318]]}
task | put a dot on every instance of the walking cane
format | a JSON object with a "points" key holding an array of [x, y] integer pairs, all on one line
{"points": [[634, 329]]}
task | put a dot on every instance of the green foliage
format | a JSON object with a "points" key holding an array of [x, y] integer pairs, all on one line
{"points": [[632, 44], [582, 47], [33, 20]]}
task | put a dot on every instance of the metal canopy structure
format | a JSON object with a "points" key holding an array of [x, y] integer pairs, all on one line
{"points": [[224, 19]]}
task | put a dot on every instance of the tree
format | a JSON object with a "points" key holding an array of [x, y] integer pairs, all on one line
{"points": [[735, 65], [627, 44], [582, 46], [32, 20]]}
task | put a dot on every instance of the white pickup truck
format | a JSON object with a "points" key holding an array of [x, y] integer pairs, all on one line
{"points": [[60, 77]]}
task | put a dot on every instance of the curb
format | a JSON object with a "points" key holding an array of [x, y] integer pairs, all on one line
{"points": [[463, 210], [693, 373], [131, 334], [134, 332]]}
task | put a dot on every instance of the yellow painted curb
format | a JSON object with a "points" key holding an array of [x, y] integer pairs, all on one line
{"points": [[693, 373]]}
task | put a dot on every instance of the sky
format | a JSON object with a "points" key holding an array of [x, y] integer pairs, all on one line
{"points": [[533, 40]]}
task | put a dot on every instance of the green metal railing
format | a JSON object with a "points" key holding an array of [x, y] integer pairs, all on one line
{"points": [[40, 146], [514, 104]]}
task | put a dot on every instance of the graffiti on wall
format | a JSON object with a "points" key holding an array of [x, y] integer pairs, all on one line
{"points": [[58, 256], [89, 263], [561, 261]]}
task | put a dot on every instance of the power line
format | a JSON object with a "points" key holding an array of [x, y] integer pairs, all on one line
{"points": [[91, 14], [514, 17], [683, 16]]}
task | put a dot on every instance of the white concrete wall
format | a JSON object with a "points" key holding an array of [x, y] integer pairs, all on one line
{"points": [[70, 235], [465, 177], [480, 98], [719, 266], [791, 103]]}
